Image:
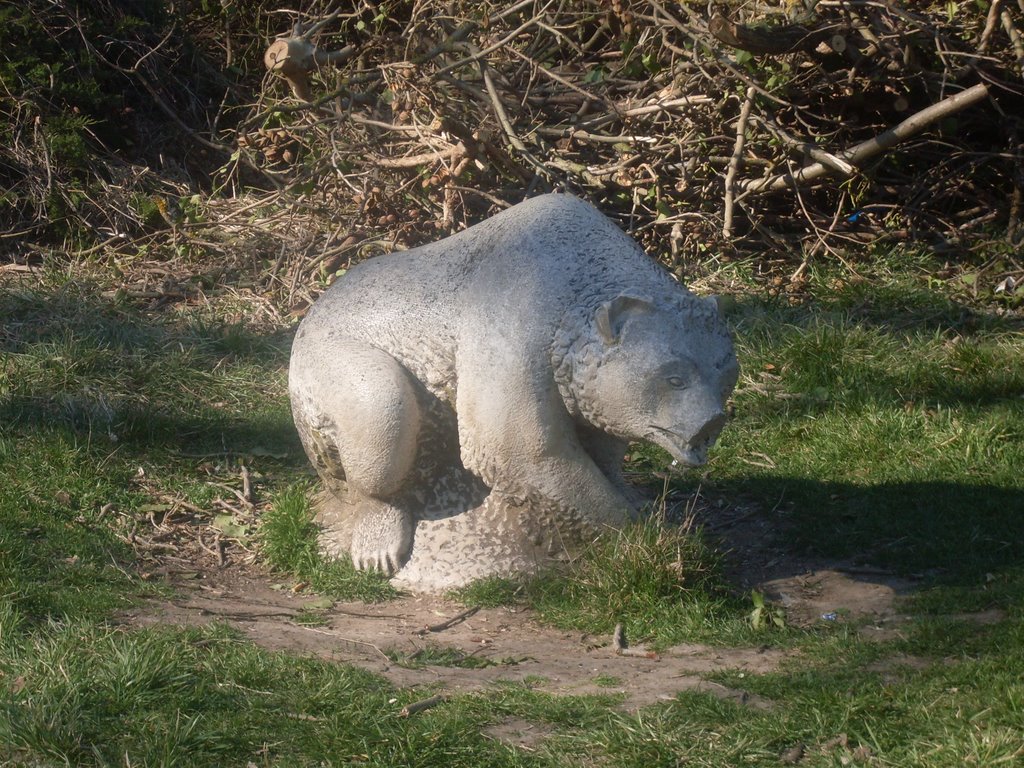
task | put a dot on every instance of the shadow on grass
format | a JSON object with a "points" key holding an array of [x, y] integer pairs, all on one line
{"points": [[900, 309], [38, 315], [937, 534], [110, 370], [92, 389], [893, 355], [202, 432]]}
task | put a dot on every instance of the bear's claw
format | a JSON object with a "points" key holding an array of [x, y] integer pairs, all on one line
{"points": [[382, 539]]}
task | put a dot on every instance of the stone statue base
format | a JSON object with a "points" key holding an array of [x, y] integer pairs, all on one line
{"points": [[499, 536]]}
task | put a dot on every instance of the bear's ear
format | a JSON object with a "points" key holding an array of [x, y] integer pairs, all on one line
{"points": [[612, 315]]}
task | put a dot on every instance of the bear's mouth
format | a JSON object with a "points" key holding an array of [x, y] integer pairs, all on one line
{"points": [[693, 451], [682, 452]]}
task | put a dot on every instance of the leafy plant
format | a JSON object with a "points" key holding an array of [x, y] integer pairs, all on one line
{"points": [[765, 615]]}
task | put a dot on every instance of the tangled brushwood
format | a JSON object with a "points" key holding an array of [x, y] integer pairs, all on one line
{"points": [[857, 121], [802, 129]]}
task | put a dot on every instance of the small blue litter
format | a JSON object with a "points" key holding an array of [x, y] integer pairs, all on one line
{"points": [[830, 616]]}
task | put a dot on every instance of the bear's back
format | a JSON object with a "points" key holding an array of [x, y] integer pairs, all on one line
{"points": [[520, 269]]}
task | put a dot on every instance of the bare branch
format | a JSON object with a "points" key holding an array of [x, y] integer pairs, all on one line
{"points": [[868, 149], [773, 40]]}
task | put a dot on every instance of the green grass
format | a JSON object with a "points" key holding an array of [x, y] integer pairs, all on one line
{"points": [[661, 582], [896, 446], [91, 696], [880, 422], [106, 409], [288, 535], [109, 372], [960, 709], [54, 561]]}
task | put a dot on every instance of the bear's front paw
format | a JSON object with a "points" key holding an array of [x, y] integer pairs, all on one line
{"points": [[381, 539]]}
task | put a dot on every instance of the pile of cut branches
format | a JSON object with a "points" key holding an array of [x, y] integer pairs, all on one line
{"points": [[803, 128], [103, 103]]}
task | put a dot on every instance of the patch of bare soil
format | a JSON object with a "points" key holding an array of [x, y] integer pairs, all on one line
{"points": [[518, 732], [494, 645]]}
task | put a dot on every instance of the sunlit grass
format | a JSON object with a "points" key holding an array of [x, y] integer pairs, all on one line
{"points": [[880, 422], [288, 536]]}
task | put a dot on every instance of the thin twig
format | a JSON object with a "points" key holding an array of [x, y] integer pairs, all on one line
{"points": [[412, 161], [448, 623], [506, 124], [990, 25], [478, 55], [621, 647], [1015, 39], [246, 484], [734, 162], [419, 706]]}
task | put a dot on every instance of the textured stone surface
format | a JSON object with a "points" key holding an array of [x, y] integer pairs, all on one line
{"points": [[468, 403]]}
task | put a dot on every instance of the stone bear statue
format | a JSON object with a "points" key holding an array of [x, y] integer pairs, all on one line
{"points": [[468, 403]]}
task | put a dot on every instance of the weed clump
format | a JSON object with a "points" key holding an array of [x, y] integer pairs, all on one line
{"points": [[658, 581]]}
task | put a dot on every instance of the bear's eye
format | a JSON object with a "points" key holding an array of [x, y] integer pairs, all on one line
{"points": [[677, 382]]}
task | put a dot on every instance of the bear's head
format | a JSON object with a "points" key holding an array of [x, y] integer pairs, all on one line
{"points": [[662, 375]]}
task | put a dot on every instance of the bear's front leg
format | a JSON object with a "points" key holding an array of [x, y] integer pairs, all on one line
{"points": [[575, 483], [516, 434], [531, 448]]}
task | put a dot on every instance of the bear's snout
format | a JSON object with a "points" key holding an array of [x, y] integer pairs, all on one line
{"points": [[706, 435]]}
